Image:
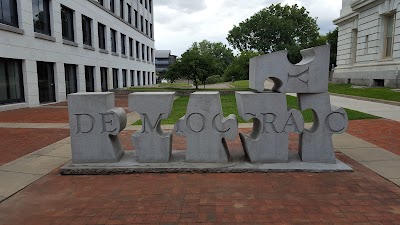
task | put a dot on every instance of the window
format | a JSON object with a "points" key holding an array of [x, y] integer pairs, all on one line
{"points": [[151, 30], [123, 50], [101, 2], [145, 4], [150, 6], [46, 85], [70, 79], [89, 78], [148, 54], [115, 78], [132, 78], [113, 40], [137, 50], [8, 12], [147, 28], [354, 37], [152, 55], [11, 81], [143, 49], [104, 79], [389, 35], [102, 36], [141, 23], [130, 47], [87, 30], [41, 16], [112, 6], [121, 8], [129, 14], [124, 79], [141, 1], [136, 18], [139, 78], [67, 22]]}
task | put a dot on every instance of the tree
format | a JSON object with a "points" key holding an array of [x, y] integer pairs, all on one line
{"points": [[332, 39], [219, 53], [276, 28], [239, 68], [193, 65]]}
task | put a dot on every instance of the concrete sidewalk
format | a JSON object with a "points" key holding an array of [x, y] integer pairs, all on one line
{"points": [[374, 108]]}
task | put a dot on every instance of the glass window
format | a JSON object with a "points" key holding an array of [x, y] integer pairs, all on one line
{"points": [[11, 81], [129, 14], [112, 6], [130, 47], [113, 40], [124, 79], [8, 12], [67, 22], [87, 30], [136, 18], [102, 36], [115, 78], [46, 85], [123, 50], [89, 78], [137, 50], [104, 79], [145, 4], [389, 35], [41, 16], [141, 1], [148, 54], [121, 8], [101, 2], [147, 28], [132, 78], [151, 30], [143, 49], [152, 55], [141, 23], [150, 6], [70, 79]]}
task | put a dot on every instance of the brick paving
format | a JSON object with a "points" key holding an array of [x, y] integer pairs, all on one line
{"points": [[361, 197], [18, 142], [383, 133], [35, 115]]}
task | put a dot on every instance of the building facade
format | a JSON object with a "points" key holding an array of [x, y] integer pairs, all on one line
{"points": [[164, 59], [369, 43], [51, 48]]}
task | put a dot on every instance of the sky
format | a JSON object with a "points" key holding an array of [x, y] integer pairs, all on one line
{"points": [[179, 23]]}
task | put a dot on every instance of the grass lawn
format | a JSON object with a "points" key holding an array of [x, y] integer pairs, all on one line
{"points": [[175, 85], [240, 84], [229, 107], [370, 92]]}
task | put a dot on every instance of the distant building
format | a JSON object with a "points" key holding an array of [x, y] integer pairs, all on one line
{"points": [[368, 43], [163, 60], [51, 48]]}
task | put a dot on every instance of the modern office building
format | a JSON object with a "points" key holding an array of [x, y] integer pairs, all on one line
{"points": [[163, 60], [368, 43], [51, 48]]}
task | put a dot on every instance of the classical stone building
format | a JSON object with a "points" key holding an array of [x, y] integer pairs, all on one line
{"points": [[51, 48], [369, 43], [164, 59]]}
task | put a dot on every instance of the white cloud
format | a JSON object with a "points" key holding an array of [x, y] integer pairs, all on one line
{"points": [[179, 23]]}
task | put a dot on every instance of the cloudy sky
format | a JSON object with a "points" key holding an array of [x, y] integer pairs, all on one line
{"points": [[179, 23]]}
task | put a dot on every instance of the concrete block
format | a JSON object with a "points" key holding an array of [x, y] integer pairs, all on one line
{"points": [[272, 122], [94, 125], [316, 143], [206, 129], [309, 76], [152, 143]]}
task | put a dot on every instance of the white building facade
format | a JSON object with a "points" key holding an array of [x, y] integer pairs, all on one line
{"points": [[369, 43], [51, 48]]}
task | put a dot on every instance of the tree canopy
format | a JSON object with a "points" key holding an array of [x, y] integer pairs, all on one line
{"points": [[239, 68], [276, 28]]}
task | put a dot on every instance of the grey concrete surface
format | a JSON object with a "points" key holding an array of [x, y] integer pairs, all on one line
{"points": [[272, 122], [316, 143], [308, 76], [151, 142], [94, 127], [206, 128]]}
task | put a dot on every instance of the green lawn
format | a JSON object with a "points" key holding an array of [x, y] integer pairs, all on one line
{"points": [[370, 92], [229, 107], [175, 85], [240, 84]]}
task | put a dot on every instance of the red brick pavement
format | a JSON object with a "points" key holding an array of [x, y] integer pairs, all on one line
{"points": [[35, 115], [383, 133], [361, 197], [16, 143]]}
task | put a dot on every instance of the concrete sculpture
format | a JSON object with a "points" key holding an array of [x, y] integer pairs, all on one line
{"points": [[152, 143], [308, 76], [94, 125], [272, 122], [316, 143], [206, 129]]}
